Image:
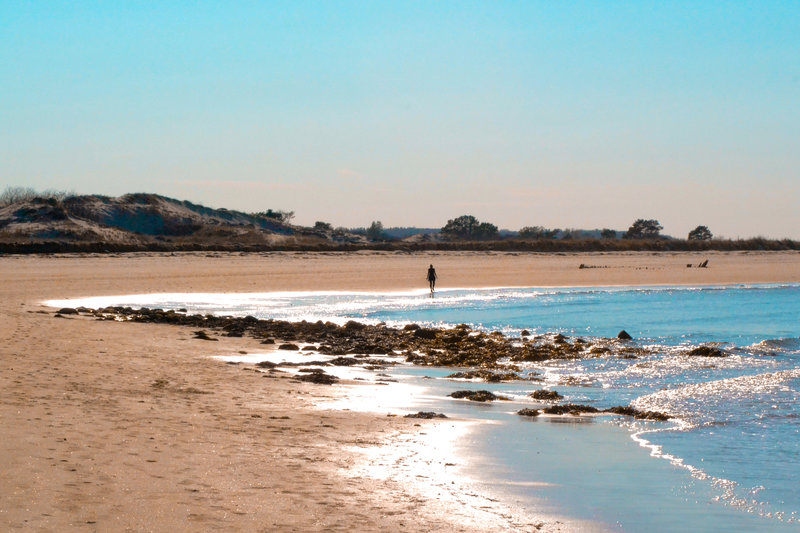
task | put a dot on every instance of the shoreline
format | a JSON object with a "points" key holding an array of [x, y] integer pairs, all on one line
{"points": [[88, 408], [385, 271], [97, 302]]}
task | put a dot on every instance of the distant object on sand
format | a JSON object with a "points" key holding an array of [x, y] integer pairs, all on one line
{"points": [[704, 264]]}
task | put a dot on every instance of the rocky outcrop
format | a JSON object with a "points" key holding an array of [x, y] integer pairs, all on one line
{"points": [[570, 408], [486, 375], [635, 413], [202, 335], [577, 409], [317, 376], [706, 351], [460, 346], [287, 346], [427, 415], [543, 394], [477, 395]]}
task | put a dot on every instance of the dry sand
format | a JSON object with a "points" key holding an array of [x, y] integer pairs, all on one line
{"points": [[108, 426]]}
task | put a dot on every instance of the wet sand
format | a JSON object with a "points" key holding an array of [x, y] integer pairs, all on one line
{"points": [[113, 426]]}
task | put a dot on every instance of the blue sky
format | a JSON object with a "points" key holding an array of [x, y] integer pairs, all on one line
{"points": [[558, 114]]}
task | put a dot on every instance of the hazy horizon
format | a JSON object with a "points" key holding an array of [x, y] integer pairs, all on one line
{"points": [[563, 115]]}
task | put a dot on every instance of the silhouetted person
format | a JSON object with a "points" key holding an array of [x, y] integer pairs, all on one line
{"points": [[432, 277]]}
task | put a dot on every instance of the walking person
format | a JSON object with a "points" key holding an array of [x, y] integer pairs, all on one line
{"points": [[432, 277]]}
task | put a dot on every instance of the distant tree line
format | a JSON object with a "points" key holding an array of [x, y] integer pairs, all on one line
{"points": [[469, 228], [280, 216], [462, 228], [13, 195]]}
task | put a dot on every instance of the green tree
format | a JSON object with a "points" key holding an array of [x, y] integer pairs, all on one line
{"points": [[322, 226], [537, 232], [608, 233], [280, 216], [644, 229], [700, 233], [375, 231], [467, 227], [571, 234]]}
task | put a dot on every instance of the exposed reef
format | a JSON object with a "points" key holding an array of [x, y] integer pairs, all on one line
{"points": [[492, 355]]}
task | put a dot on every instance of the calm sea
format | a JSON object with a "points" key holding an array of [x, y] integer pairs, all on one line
{"points": [[730, 458]]}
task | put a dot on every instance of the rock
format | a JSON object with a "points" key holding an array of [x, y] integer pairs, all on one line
{"points": [[525, 333], [635, 413], [343, 361], [426, 415], [570, 408], [486, 375], [528, 412], [624, 335], [67, 311], [319, 377], [203, 336], [477, 396], [266, 364], [707, 351], [426, 333], [268, 341], [652, 415], [460, 346], [288, 346], [543, 394]]}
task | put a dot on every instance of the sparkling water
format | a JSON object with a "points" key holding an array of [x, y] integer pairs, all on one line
{"points": [[730, 457]]}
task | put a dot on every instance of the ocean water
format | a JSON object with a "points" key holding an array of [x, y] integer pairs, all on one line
{"points": [[729, 459]]}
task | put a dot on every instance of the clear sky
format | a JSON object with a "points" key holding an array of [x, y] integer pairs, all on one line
{"points": [[557, 114]]}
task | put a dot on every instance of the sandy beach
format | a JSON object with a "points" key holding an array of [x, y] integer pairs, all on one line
{"points": [[111, 426]]}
